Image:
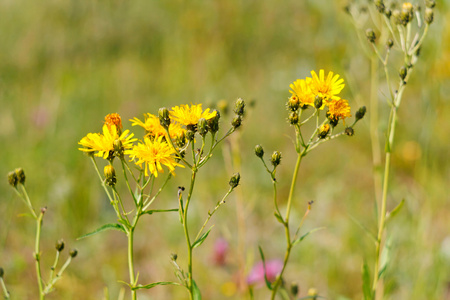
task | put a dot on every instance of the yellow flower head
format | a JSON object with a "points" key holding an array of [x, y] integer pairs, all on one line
{"points": [[190, 115], [301, 88], [327, 88], [114, 119], [339, 109], [153, 127], [103, 144], [153, 154]]}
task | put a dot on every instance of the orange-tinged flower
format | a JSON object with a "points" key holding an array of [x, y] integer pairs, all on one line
{"points": [[114, 119], [153, 154], [190, 115], [339, 110], [326, 88]]}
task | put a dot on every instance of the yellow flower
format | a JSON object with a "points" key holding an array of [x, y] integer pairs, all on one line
{"points": [[103, 144], [190, 115], [339, 110], [327, 88], [114, 119], [301, 88], [153, 154], [153, 127]]}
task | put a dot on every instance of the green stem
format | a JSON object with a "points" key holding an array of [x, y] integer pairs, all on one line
{"points": [[186, 233], [131, 258], [5, 291], [126, 180], [51, 284], [54, 266], [286, 226], [37, 255]]}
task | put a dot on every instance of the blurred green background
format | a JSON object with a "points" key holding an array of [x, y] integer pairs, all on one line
{"points": [[64, 65]]}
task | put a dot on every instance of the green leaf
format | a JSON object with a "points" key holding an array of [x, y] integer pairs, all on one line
{"points": [[152, 285], [152, 211], [385, 257], [111, 226], [201, 239], [395, 211], [268, 284], [305, 235], [196, 291], [311, 297], [367, 290], [279, 218], [364, 228]]}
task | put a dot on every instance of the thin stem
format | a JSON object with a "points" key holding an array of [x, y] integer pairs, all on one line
{"points": [[5, 291], [416, 47], [148, 203], [131, 258], [101, 180], [51, 284], [28, 201], [37, 255], [186, 233], [126, 180], [54, 266]]}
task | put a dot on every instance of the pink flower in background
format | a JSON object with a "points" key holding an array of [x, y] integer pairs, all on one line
{"points": [[220, 251], [273, 268]]}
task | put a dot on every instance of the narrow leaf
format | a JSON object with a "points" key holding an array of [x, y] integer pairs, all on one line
{"points": [[305, 235], [111, 226], [385, 257], [201, 239], [268, 284], [366, 282], [196, 291], [152, 211], [152, 285], [279, 218], [364, 228], [395, 211]]}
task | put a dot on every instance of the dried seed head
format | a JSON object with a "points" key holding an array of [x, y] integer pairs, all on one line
{"points": [[349, 131]]}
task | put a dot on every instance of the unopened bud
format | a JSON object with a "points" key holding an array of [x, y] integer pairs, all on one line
{"points": [[259, 151], [293, 118], [380, 5], [323, 131], [164, 118], [397, 15], [429, 16], [370, 34], [190, 134], [276, 159], [403, 72], [407, 13], [360, 113], [73, 253], [59, 245], [294, 289], [202, 127], [180, 139], [213, 123], [293, 103], [20, 175], [237, 121], [349, 131], [387, 13], [234, 180], [110, 175], [173, 257], [12, 178], [118, 148], [318, 102], [239, 107], [430, 3], [389, 43]]}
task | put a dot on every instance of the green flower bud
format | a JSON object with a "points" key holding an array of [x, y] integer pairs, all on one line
{"points": [[164, 118], [429, 16], [118, 148], [237, 121], [360, 113], [190, 134], [239, 107], [380, 5], [323, 131], [430, 3], [213, 123], [370, 34], [20, 175], [293, 103], [403, 72], [59, 245], [173, 257], [259, 151], [110, 175], [234, 180], [389, 43], [13, 179], [293, 118], [276, 159], [202, 127], [294, 289], [318, 102], [73, 253], [180, 139], [349, 131]]}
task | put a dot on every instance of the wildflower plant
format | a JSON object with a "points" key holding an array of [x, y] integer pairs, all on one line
{"points": [[17, 179], [402, 30], [314, 100], [168, 139]]}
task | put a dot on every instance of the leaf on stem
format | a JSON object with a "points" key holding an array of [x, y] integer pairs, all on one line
{"points": [[279, 218], [152, 211], [295, 242], [385, 257], [268, 284], [201, 239], [367, 290], [395, 211], [111, 226], [196, 291], [152, 285]]}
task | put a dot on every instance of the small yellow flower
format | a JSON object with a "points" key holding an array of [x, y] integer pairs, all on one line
{"points": [[301, 88], [339, 110], [103, 144], [327, 88], [114, 119], [153, 154], [153, 127], [190, 115]]}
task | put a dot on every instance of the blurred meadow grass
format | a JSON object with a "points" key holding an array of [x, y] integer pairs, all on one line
{"points": [[64, 65]]}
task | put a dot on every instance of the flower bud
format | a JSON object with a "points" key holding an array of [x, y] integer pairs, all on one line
{"points": [[429, 16], [360, 113], [173, 257], [397, 15], [323, 131], [387, 13], [239, 107], [116, 120], [73, 253], [20, 175], [110, 175], [13, 179], [180, 139], [312, 292], [349, 131], [213, 123], [389, 43], [59, 245], [407, 13], [370, 34], [2, 272], [237, 121], [190, 134], [294, 289], [403, 72], [164, 118], [293, 118], [318, 102], [118, 148], [276, 158], [380, 5], [234, 180], [202, 127], [259, 151], [430, 3], [293, 103]]}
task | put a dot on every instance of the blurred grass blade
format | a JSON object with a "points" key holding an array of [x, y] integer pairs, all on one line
{"points": [[201, 239], [364, 228], [305, 235], [367, 290], [268, 284], [395, 211], [196, 291], [152, 285], [111, 226], [385, 257]]}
